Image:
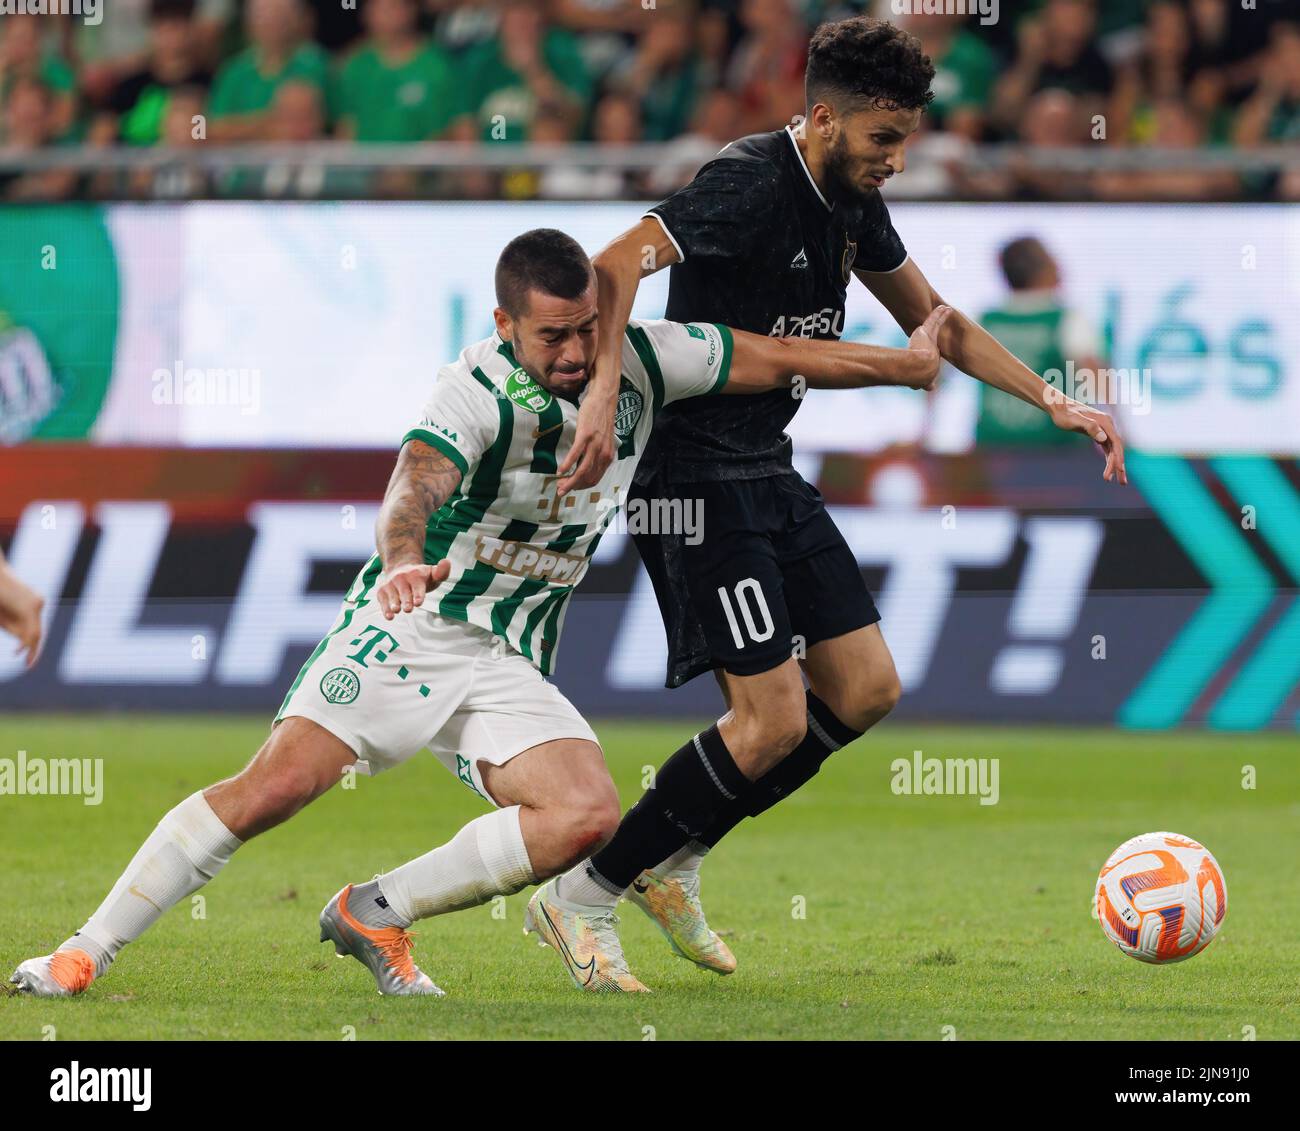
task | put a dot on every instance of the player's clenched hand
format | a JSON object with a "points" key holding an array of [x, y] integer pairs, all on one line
{"points": [[924, 343], [20, 613], [593, 446], [1075, 416], [403, 589]]}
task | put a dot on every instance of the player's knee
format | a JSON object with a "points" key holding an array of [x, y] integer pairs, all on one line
{"points": [[775, 730], [868, 701], [590, 821], [882, 697]]}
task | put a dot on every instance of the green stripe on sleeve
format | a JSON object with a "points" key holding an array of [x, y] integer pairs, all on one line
{"points": [[424, 435], [645, 351], [728, 344]]}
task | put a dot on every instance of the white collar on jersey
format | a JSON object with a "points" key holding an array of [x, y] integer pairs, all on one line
{"points": [[804, 165]]}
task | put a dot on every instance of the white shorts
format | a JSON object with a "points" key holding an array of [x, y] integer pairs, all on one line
{"points": [[391, 688]]}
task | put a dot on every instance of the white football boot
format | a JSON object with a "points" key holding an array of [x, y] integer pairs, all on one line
{"points": [[673, 902], [64, 973], [585, 939], [384, 951]]}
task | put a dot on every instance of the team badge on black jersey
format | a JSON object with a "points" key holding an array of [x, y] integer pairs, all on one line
{"points": [[846, 260]]}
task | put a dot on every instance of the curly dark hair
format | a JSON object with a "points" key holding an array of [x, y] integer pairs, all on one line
{"points": [[864, 63]]}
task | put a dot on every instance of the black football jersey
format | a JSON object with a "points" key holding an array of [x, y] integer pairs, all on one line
{"points": [[761, 249]]}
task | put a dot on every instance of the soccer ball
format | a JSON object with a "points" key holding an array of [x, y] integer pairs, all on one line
{"points": [[1161, 897]]}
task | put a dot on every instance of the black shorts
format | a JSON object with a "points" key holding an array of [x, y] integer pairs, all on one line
{"points": [[770, 567]]}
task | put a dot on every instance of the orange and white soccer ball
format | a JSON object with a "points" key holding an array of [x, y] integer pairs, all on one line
{"points": [[1161, 897]]}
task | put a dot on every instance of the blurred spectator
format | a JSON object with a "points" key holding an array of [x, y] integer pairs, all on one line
{"points": [[278, 52], [550, 126], [30, 123], [398, 86], [336, 24], [1052, 119], [527, 65], [691, 73], [1272, 114], [1055, 342], [26, 52], [297, 114], [137, 102], [180, 179], [716, 122], [666, 73], [767, 67], [965, 70], [607, 30], [617, 121], [1055, 50], [1228, 43], [1177, 126], [119, 45], [459, 25]]}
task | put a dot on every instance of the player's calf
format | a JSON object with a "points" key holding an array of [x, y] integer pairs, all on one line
{"points": [[558, 805], [189, 846], [296, 764]]}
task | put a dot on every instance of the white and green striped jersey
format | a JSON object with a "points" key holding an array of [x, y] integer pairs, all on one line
{"points": [[517, 550]]}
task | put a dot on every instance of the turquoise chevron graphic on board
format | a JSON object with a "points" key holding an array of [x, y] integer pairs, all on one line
{"points": [[1242, 589]]}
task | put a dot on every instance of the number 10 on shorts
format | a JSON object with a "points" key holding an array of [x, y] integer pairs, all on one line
{"points": [[750, 600]]}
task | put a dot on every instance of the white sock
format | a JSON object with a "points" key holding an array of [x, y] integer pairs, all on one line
{"points": [[187, 849], [580, 885], [686, 859], [487, 857]]}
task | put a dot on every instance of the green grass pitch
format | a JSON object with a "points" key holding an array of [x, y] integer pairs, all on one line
{"points": [[923, 917]]}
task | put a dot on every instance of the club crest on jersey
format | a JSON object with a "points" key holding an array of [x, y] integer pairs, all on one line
{"points": [[526, 393], [627, 414], [850, 254], [339, 686]]}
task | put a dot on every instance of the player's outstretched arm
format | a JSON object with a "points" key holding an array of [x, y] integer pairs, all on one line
{"points": [[620, 267], [20, 612], [760, 364], [422, 481], [908, 296]]}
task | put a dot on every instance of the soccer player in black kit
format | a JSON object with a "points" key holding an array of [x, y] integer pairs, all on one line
{"points": [[767, 238]]}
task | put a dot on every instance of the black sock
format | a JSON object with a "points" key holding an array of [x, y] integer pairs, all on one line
{"points": [[826, 734], [690, 790]]}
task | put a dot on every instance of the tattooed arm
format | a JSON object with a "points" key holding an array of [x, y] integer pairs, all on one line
{"points": [[422, 481]]}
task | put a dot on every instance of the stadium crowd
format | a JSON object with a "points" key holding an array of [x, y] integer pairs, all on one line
{"points": [[1177, 74]]}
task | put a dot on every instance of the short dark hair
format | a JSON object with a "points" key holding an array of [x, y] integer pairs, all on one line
{"points": [[1023, 261], [863, 63], [544, 259]]}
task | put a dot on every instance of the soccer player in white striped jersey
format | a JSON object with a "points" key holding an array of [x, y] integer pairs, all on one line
{"points": [[446, 635]]}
